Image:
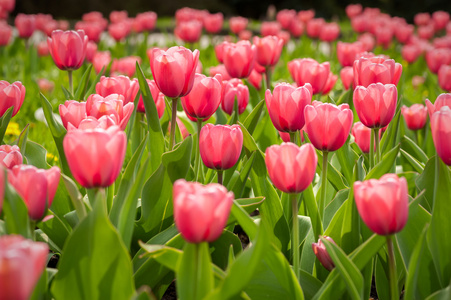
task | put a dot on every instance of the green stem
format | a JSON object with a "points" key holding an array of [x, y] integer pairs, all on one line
{"points": [[32, 230], [71, 86], [110, 196], [394, 294], [378, 152], [268, 77], [293, 137], [173, 123], [220, 176], [372, 150], [197, 159], [295, 237], [322, 203]]}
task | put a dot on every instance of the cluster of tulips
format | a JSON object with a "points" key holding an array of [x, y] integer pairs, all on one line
{"points": [[144, 192]]}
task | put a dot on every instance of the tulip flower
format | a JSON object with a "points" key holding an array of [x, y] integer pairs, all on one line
{"points": [[121, 85], [384, 36], [296, 28], [213, 22], [157, 96], [285, 17], [425, 32], [95, 156], [441, 133], [11, 95], [101, 60], [92, 29], [353, 10], [239, 58], [268, 50], [308, 70], [9, 157], [189, 31], [146, 20], [45, 85], [22, 262], [125, 65], [270, 28], [286, 106], [444, 77], [314, 27], [411, 53], [5, 34], [235, 90], [440, 19], [442, 100], [348, 52], [25, 24], [368, 70], [37, 187], [201, 211], [367, 41], [220, 69], [72, 112], [237, 24], [329, 32], [415, 116], [321, 253], [422, 19], [112, 106], [120, 30], [362, 136], [437, 57], [219, 51], [306, 15], [255, 79], [404, 32], [330, 83], [347, 77]]}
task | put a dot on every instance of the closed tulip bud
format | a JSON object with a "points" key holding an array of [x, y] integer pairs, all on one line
{"points": [[117, 16], [189, 31], [93, 30], [362, 136], [285, 17], [422, 19], [444, 77], [441, 133], [296, 28], [404, 32], [376, 104], [95, 156], [239, 58], [306, 15], [72, 112], [9, 157], [37, 187], [220, 145], [291, 168], [308, 70], [437, 57], [384, 36], [442, 100], [440, 19], [11, 95], [157, 96], [383, 204], [121, 85], [221, 70], [68, 48], [205, 97], [415, 116], [213, 22], [201, 211], [22, 262], [286, 106], [91, 50], [125, 65], [25, 24], [147, 20], [321, 253], [347, 52], [368, 41], [368, 70], [8, 5], [327, 125], [237, 24], [347, 77], [112, 106], [45, 85], [234, 90], [268, 50], [173, 70]]}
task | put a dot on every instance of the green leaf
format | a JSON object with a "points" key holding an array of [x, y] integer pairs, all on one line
{"points": [[67, 94], [83, 85], [248, 140], [333, 176], [4, 121], [22, 140], [15, 212], [385, 165], [239, 214], [252, 119], [347, 158], [313, 212], [221, 247], [36, 155], [391, 137], [418, 166], [412, 148], [177, 161], [92, 87], [350, 229], [56, 229], [237, 186], [95, 264], [75, 196], [443, 294]]}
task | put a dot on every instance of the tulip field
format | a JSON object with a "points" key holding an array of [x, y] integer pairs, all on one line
{"points": [[212, 157]]}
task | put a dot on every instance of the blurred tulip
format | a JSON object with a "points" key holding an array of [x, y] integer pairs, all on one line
{"points": [[93, 30], [291, 168], [239, 58], [119, 31], [5, 34], [104, 122], [68, 48], [306, 15], [367, 41], [157, 96], [442, 100], [440, 19], [25, 24], [8, 5], [117, 16], [245, 35], [112, 106], [146, 21], [362, 136], [376, 104], [43, 49], [348, 52], [255, 79], [329, 32], [270, 28], [383, 204], [286, 106], [285, 17], [268, 50], [347, 77], [121, 85], [327, 125], [219, 51], [308, 70], [213, 22], [220, 69], [415, 116], [330, 83], [444, 77], [125, 65], [437, 57], [189, 31], [235, 89], [237, 24], [37, 187], [95, 17], [422, 19], [11, 95], [441, 133], [91, 50], [314, 27], [384, 36], [201, 211], [205, 97], [296, 28], [368, 70], [425, 32], [22, 262], [353, 10], [360, 23], [404, 32], [411, 53], [72, 112], [101, 60], [45, 85], [173, 70], [321, 253], [95, 156], [9, 157]]}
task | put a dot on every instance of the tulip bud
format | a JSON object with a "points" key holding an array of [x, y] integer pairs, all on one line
{"points": [[68, 48], [25, 24], [362, 136], [237, 24], [321, 253], [189, 31], [347, 77], [415, 116], [112, 106], [444, 77], [213, 22], [347, 52]]}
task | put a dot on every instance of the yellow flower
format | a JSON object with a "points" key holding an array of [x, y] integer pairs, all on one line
{"points": [[13, 129], [51, 157]]}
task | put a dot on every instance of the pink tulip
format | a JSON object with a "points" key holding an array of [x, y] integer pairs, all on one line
{"points": [[119, 31], [353, 10], [384, 36], [213, 22], [221, 70], [330, 83], [308, 70], [327, 125], [426, 32], [314, 27], [286, 106], [442, 100], [189, 31], [121, 85], [321, 253], [173, 70], [239, 58], [245, 35], [234, 89], [104, 122], [101, 60], [125, 65], [270, 28], [95, 156], [157, 96], [422, 19], [37, 187], [91, 50], [255, 79], [444, 77], [347, 77], [404, 33], [285, 17], [411, 53], [92, 29], [376, 104], [440, 19], [437, 57], [237, 24], [117, 16], [22, 262], [72, 112], [68, 48], [45, 85], [9, 157], [205, 97], [201, 212], [25, 24], [11, 95], [220, 145], [5, 34], [7, 5], [146, 21], [219, 51], [441, 133], [347, 52], [296, 28], [383, 204], [329, 32], [268, 50], [306, 15], [362, 136], [291, 168], [415, 116], [112, 105], [368, 70], [367, 41]]}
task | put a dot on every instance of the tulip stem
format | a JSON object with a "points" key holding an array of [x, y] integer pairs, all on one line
{"points": [[173, 124], [268, 77], [295, 232], [293, 137], [220, 176], [32, 230], [372, 150], [376, 138], [197, 159], [71, 85], [394, 295], [322, 203]]}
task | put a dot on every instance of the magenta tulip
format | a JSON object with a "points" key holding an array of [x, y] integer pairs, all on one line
{"points": [[442, 100], [362, 136], [10, 156], [68, 48], [437, 57], [11, 95]]}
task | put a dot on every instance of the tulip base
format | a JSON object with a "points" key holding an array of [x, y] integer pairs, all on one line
{"points": [[394, 294], [173, 123], [295, 235]]}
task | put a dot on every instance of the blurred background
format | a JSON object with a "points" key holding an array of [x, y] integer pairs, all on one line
{"points": [[256, 9]]}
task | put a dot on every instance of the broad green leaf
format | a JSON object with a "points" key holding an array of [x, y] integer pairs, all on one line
{"points": [[83, 85], [248, 140], [4, 121], [95, 264], [75, 196], [418, 166], [391, 138], [381, 277], [36, 155], [242, 217], [312, 208], [22, 140], [56, 229], [385, 165], [247, 205], [350, 231], [425, 182], [92, 87], [443, 294], [220, 254], [15, 212], [252, 120], [237, 186], [177, 161], [333, 176], [347, 158], [413, 149]]}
